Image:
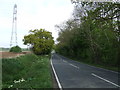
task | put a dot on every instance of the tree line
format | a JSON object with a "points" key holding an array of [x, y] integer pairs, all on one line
{"points": [[92, 34]]}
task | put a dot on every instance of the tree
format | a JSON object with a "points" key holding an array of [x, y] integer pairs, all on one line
{"points": [[15, 49], [92, 34], [41, 41]]}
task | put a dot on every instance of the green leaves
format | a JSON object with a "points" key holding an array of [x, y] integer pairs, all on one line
{"points": [[15, 49], [92, 34], [41, 41]]}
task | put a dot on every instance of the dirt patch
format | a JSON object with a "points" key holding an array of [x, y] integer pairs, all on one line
{"points": [[11, 54]]}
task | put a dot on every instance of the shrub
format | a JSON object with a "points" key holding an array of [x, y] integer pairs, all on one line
{"points": [[15, 49]]}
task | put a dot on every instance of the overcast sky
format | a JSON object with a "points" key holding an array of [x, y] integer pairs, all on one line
{"points": [[32, 14]]}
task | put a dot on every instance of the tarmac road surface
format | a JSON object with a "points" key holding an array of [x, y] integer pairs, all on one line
{"points": [[73, 74]]}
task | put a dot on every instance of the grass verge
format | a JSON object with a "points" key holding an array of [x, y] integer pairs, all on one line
{"points": [[28, 71], [108, 67]]}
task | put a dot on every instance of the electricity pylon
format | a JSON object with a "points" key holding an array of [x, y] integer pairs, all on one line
{"points": [[14, 27]]}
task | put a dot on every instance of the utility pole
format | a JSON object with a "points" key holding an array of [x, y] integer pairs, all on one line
{"points": [[14, 27]]}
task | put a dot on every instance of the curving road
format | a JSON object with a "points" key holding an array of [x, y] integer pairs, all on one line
{"points": [[73, 74]]}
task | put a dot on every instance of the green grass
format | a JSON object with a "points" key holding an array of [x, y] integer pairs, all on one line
{"points": [[32, 69], [4, 49]]}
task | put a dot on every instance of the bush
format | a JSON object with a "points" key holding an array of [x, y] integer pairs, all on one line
{"points": [[15, 49]]}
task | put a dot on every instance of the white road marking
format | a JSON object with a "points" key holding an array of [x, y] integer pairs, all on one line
{"points": [[105, 80], [97, 67], [59, 85], [73, 65], [64, 61]]}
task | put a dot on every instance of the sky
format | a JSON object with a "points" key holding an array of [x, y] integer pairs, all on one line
{"points": [[32, 14]]}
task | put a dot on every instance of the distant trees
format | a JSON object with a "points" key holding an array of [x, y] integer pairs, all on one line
{"points": [[41, 41], [93, 34]]}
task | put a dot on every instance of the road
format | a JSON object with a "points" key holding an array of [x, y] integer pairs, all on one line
{"points": [[73, 74]]}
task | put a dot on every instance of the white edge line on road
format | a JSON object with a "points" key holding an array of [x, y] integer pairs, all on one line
{"points": [[58, 82], [105, 80]]}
